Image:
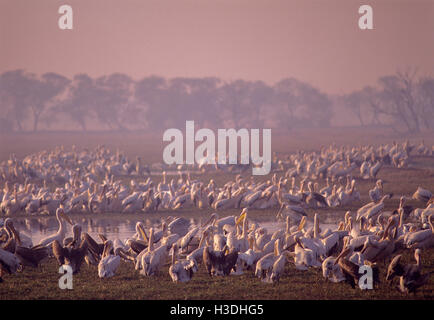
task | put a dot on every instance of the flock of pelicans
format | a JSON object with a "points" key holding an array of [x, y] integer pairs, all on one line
{"points": [[63, 183]]}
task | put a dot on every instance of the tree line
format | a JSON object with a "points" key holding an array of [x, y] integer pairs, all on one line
{"points": [[117, 102]]}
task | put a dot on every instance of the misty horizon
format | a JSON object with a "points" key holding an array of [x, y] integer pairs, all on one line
{"points": [[315, 42]]}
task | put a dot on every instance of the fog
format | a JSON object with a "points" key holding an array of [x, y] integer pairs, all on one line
{"points": [[116, 102]]}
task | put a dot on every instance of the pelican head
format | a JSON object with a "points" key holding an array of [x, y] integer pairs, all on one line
{"points": [[9, 226], [108, 246], [140, 229], [302, 223], [242, 216], [60, 214]]}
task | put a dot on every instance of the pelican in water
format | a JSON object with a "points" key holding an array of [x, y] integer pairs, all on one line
{"points": [[181, 270], [109, 262], [60, 234]]}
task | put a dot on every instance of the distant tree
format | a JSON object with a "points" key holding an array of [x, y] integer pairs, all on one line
{"points": [[356, 103], [16, 89], [45, 91], [285, 102], [194, 99], [234, 101], [112, 95], [80, 100], [306, 106], [397, 100], [151, 94], [425, 95]]}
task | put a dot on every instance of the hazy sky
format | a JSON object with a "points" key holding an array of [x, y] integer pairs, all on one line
{"points": [[315, 41]]}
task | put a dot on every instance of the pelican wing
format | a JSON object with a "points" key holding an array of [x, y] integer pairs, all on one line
{"points": [[31, 256], [60, 253]]}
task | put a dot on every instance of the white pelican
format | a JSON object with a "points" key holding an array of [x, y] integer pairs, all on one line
{"points": [[153, 259], [60, 234], [279, 266], [371, 210], [304, 257], [376, 193], [229, 220], [264, 265], [331, 271], [181, 270], [186, 240], [422, 194], [421, 239], [109, 263]]}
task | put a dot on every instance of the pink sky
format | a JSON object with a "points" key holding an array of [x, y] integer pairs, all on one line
{"points": [[317, 41]]}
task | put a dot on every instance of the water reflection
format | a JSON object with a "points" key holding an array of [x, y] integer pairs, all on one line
{"points": [[39, 227]]}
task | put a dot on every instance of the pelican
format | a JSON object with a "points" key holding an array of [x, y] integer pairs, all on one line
{"points": [[181, 270], [28, 256], [349, 269], [179, 226], [331, 271], [153, 259], [376, 193], [422, 194], [8, 263], [212, 259], [410, 275], [229, 220], [186, 240], [60, 234], [373, 210], [109, 263], [304, 257], [279, 266], [72, 254], [423, 238], [264, 266]]}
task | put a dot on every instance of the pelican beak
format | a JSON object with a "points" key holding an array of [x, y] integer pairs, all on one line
{"points": [[241, 218], [143, 233], [302, 223], [67, 218]]}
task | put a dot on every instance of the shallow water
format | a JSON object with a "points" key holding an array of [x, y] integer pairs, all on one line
{"points": [[38, 228]]}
